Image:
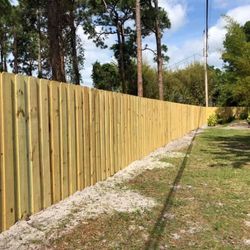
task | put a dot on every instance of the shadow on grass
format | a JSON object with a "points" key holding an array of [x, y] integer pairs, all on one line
{"points": [[235, 148], [161, 222]]}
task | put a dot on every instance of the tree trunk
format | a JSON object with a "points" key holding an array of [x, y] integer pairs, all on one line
{"points": [[139, 49], [15, 53], [5, 68], [30, 69], [39, 59], [125, 87], [121, 57], [159, 53], [74, 46], [1, 58], [54, 33], [159, 59]]}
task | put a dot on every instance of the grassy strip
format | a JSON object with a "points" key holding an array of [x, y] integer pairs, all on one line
{"points": [[203, 202]]}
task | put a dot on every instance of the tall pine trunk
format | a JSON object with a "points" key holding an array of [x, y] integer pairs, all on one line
{"points": [[1, 58], [5, 63], [39, 57], [159, 53], [125, 87], [74, 46], [120, 40], [159, 60], [139, 49], [15, 53], [54, 34]]}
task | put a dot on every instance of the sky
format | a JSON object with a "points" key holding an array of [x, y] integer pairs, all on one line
{"points": [[185, 37]]}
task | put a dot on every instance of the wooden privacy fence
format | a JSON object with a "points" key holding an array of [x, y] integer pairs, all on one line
{"points": [[58, 138]]}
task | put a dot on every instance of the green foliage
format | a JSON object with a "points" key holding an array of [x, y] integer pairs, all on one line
{"points": [[187, 85], [151, 14], [5, 16], [248, 118], [212, 120], [150, 87], [246, 29], [106, 76], [5, 7], [235, 87], [243, 115]]}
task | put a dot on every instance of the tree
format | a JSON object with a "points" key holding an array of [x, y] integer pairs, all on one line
{"points": [[40, 40], [106, 76], [139, 48], [5, 7], [73, 43], [246, 29], [187, 85], [236, 56], [111, 18], [156, 20], [54, 10], [5, 11]]}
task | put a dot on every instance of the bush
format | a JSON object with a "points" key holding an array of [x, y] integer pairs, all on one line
{"points": [[243, 116], [248, 119], [225, 119], [230, 119], [212, 120], [220, 120]]}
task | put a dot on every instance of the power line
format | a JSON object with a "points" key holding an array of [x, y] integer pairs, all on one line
{"points": [[184, 60]]}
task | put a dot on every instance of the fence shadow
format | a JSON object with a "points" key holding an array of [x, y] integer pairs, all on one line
{"points": [[161, 222]]}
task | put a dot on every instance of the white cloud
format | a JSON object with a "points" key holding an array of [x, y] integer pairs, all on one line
{"points": [[177, 12], [93, 54], [240, 14], [217, 32], [191, 49], [216, 37]]}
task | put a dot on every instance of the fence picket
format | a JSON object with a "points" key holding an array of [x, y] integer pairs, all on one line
{"points": [[57, 138]]}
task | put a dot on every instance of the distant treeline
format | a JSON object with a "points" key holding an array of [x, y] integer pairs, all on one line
{"points": [[229, 86]]}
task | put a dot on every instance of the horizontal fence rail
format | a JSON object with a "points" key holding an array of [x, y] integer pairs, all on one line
{"points": [[57, 138]]}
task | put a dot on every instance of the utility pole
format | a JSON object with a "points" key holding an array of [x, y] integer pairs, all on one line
{"points": [[206, 55]]}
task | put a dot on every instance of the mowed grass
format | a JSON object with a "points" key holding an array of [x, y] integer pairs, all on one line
{"points": [[203, 202]]}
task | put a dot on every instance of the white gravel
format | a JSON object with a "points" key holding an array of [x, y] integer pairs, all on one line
{"points": [[247, 242], [102, 198], [247, 223]]}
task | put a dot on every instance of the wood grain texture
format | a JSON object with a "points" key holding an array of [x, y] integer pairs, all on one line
{"points": [[57, 138]]}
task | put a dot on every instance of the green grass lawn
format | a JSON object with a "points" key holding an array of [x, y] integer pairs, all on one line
{"points": [[203, 202]]}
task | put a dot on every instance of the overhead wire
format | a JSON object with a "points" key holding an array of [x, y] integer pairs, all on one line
{"points": [[185, 60]]}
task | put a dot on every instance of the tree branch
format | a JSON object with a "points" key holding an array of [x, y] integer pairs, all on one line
{"points": [[147, 48]]}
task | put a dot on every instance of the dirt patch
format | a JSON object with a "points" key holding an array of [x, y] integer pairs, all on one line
{"points": [[238, 125]]}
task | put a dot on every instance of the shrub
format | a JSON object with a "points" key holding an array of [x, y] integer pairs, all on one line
{"points": [[230, 119], [248, 119], [220, 120], [212, 120], [243, 116], [225, 119]]}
